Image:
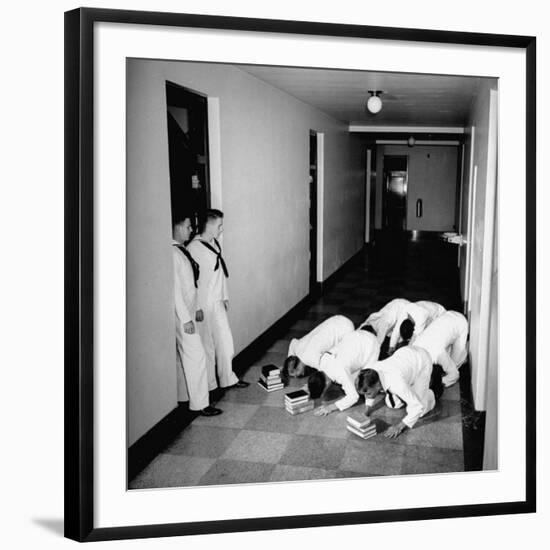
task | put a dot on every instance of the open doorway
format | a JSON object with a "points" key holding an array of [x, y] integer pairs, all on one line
{"points": [[188, 152], [313, 176], [394, 197]]}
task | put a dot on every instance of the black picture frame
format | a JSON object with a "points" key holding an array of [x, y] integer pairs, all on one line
{"points": [[79, 269]]}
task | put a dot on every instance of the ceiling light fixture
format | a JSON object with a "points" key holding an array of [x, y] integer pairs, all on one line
{"points": [[374, 103]]}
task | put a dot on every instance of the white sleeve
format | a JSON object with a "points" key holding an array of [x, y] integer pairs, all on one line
{"points": [[182, 311], [351, 396], [421, 322], [414, 405], [204, 276], [225, 293], [396, 333]]}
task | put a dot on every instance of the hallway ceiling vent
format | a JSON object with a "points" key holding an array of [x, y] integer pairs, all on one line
{"points": [[374, 103]]}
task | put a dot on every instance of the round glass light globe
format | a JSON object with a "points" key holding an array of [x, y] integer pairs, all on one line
{"points": [[374, 104]]}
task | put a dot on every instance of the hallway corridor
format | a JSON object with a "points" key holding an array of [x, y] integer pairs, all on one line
{"points": [[256, 440]]}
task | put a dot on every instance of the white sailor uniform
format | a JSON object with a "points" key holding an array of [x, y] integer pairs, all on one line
{"points": [[321, 339], [190, 351], [445, 339], [356, 350], [406, 375], [214, 330]]}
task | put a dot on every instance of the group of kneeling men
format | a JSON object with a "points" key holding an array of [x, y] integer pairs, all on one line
{"points": [[427, 345]]}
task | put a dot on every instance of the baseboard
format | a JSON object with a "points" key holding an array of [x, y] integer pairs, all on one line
{"points": [[409, 235], [473, 423], [148, 446]]}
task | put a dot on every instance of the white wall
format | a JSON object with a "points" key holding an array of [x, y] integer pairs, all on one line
{"points": [[264, 138], [432, 177], [479, 119]]}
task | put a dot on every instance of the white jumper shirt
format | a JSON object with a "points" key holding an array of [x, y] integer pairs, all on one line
{"points": [[321, 339], [357, 350]]}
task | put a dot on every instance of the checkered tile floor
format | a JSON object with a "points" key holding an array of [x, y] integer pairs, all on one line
{"points": [[255, 440]]}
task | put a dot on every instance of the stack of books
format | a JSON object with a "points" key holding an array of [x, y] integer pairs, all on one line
{"points": [[270, 379], [361, 425], [297, 402]]}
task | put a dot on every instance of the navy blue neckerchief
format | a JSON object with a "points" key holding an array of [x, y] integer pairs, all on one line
{"points": [[219, 258], [194, 264]]}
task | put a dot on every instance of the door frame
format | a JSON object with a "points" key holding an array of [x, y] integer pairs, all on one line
{"points": [[385, 190], [313, 209]]}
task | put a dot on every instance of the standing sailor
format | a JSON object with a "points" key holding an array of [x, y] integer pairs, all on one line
{"points": [[306, 351], [404, 378], [213, 301], [445, 340], [188, 342], [356, 350]]}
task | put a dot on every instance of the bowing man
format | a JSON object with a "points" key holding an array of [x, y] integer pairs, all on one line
{"points": [[188, 342], [213, 301], [445, 339], [384, 320], [305, 353], [412, 321], [355, 351], [404, 379]]}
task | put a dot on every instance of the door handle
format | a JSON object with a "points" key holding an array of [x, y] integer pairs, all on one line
{"points": [[419, 208]]}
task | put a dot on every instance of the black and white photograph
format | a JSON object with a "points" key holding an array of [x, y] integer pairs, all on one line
{"points": [[312, 273]]}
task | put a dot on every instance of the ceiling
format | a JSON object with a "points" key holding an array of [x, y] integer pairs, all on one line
{"points": [[410, 99]]}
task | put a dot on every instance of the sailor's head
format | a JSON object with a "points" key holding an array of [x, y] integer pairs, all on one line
{"points": [[368, 328], [406, 329], [317, 383], [182, 228], [368, 383], [294, 368], [212, 225]]}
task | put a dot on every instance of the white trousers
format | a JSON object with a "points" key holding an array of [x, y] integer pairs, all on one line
{"points": [[192, 359], [452, 358], [421, 387], [382, 328], [218, 345]]}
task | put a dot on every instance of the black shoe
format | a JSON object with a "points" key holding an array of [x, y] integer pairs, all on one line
{"points": [[240, 384], [210, 411]]}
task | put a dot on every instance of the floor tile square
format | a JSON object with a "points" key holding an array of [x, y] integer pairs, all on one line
{"points": [[434, 434], [371, 457], [172, 471], [284, 472], [314, 452], [431, 460], [332, 425], [202, 441], [256, 446], [275, 419], [224, 472], [235, 415]]}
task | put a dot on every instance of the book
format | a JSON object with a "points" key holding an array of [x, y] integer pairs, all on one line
{"points": [[270, 388], [299, 406], [300, 400], [270, 370], [271, 376], [271, 379], [296, 395], [298, 410], [363, 435], [358, 420]]}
